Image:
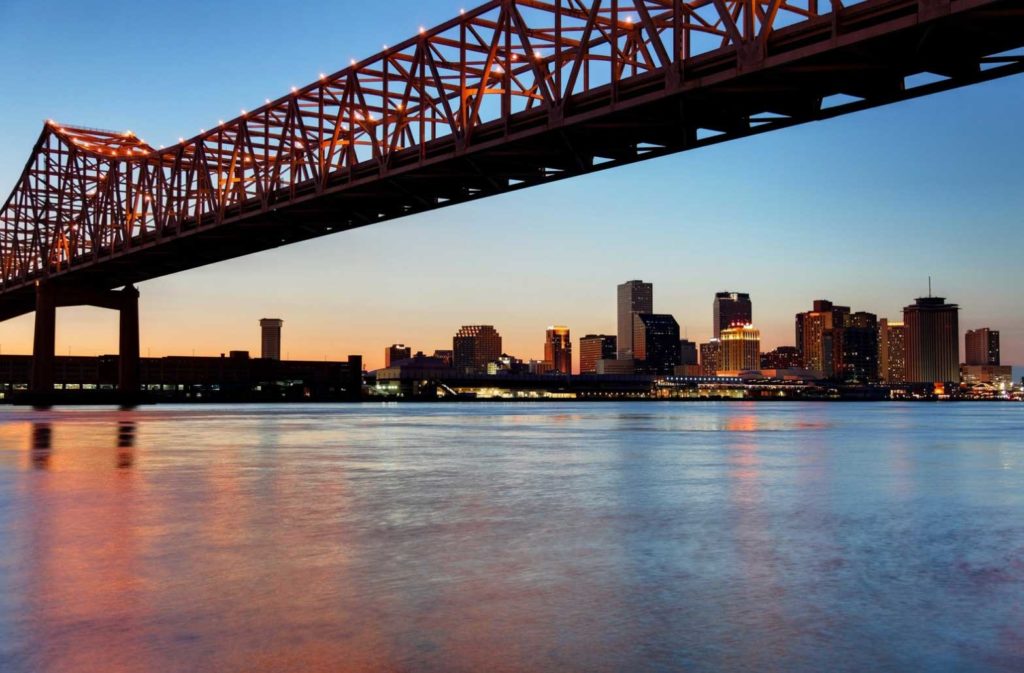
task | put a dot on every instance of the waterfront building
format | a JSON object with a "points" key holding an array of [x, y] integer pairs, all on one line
{"points": [[558, 349], [541, 367], [740, 348], [687, 352], [445, 356], [615, 367], [892, 351], [473, 346], [783, 357], [594, 347], [656, 342], [860, 348], [634, 297], [731, 308], [270, 338], [821, 338], [993, 375], [981, 346], [932, 341], [396, 352], [710, 357]]}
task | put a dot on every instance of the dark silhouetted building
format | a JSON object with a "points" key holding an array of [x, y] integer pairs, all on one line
{"points": [[687, 352], [635, 297], [740, 348], [595, 347], [656, 342], [445, 356], [731, 308], [270, 338], [892, 351], [710, 357], [932, 341], [396, 352], [558, 349], [474, 346], [783, 357], [981, 346], [859, 348]]}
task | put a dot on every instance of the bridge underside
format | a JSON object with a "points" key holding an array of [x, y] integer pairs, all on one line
{"points": [[866, 60]]}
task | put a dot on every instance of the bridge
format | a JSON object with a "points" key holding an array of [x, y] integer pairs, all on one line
{"points": [[512, 94]]}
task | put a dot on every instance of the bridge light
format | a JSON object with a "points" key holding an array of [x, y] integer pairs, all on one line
{"points": [[323, 76], [244, 113], [422, 30], [537, 54], [295, 89], [267, 101]]}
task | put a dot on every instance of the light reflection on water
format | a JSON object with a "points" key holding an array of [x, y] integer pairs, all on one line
{"points": [[540, 537]]}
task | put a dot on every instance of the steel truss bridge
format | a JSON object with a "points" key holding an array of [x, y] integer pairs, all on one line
{"points": [[511, 94]]}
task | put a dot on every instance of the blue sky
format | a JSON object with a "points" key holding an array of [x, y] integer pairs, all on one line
{"points": [[859, 209]]}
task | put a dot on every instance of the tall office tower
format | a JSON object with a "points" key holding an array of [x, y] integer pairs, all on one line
{"points": [[635, 296], [820, 334], [710, 357], [859, 348], [687, 352], [892, 351], [474, 346], [741, 348], [558, 349], [270, 338], [656, 342], [933, 341], [982, 346], [594, 347], [396, 352], [731, 308]]}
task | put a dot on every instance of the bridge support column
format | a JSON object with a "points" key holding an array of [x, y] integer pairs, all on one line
{"points": [[44, 342], [128, 362], [49, 297]]}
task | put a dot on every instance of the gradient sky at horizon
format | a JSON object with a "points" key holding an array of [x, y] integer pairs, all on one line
{"points": [[859, 209]]}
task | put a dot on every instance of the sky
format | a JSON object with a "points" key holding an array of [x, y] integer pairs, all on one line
{"points": [[860, 209]]}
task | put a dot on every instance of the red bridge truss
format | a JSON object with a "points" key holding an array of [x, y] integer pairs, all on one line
{"points": [[507, 95]]}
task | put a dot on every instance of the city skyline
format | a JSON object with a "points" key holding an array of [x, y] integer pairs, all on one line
{"points": [[851, 183]]}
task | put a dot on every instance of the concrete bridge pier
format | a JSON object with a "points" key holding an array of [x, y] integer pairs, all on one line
{"points": [[51, 295]]}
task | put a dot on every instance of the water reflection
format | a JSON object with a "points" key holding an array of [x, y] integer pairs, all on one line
{"points": [[42, 445], [549, 537]]}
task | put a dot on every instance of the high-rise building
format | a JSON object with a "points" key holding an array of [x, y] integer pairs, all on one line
{"points": [[820, 337], [595, 347], [710, 357], [396, 352], [783, 357], [687, 352], [981, 346], [270, 338], [635, 297], [731, 308], [933, 341], [558, 349], [859, 348], [656, 342], [892, 351], [474, 346], [740, 348]]}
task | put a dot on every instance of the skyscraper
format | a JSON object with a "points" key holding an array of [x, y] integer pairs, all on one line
{"points": [[396, 352], [821, 338], [270, 338], [982, 346], [687, 352], [710, 357], [635, 296], [740, 348], [860, 347], [656, 342], [594, 347], [731, 308], [933, 341], [558, 349], [474, 346], [892, 351]]}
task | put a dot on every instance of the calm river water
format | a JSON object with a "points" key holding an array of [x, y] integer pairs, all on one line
{"points": [[513, 537]]}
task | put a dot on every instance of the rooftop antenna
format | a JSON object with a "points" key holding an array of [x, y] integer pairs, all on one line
{"points": [[929, 287]]}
